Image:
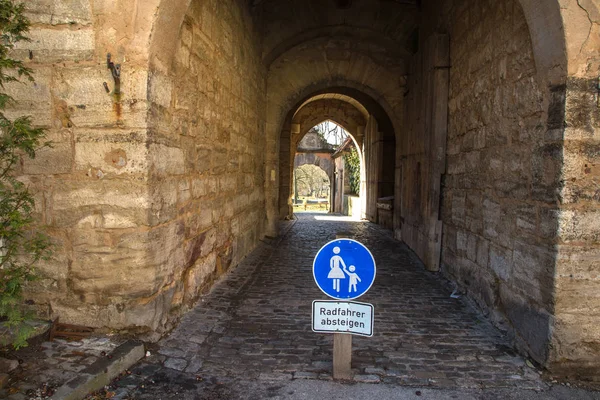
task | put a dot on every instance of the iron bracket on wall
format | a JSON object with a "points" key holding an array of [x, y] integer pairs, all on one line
{"points": [[115, 69]]}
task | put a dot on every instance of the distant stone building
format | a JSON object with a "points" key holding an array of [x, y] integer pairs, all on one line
{"points": [[480, 117]]}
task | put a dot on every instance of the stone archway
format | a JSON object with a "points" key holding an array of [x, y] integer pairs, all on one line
{"points": [[546, 26], [181, 106], [284, 95], [366, 122], [540, 15], [352, 117]]}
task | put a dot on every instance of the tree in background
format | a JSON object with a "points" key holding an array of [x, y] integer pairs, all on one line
{"points": [[331, 132], [21, 246], [311, 181]]}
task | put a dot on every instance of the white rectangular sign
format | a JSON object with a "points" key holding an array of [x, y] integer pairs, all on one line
{"points": [[342, 316]]}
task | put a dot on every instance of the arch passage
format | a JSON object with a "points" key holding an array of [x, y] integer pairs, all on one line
{"points": [[209, 85], [376, 148]]}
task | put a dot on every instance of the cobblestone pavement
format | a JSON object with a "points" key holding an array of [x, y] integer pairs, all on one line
{"points": [[255, 326]]}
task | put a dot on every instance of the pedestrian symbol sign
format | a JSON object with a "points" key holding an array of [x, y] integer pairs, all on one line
{"points": [[344, 269]]}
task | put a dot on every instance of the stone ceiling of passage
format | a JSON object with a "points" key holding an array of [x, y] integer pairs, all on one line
{"points": [[287, 23]]}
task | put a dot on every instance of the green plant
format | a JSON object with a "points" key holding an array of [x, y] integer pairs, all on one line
{"points": [[352, 163], [21, 246]]}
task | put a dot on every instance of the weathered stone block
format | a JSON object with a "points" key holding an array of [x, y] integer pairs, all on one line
{"points": [[198, 276], [218, 160], [456, 164], [124, 263], [474, 213], [484, 288], [160, 90], [501, 260], [492, 214], [526, 217], [575, 341], [458, 208], [549, 222], [69, 202], [200, 246], [32, 99], [577, 295], [112, 158], [472, 247], [81, 88], [528, 97], [532, 324], [546, 166], [534, 271], [55, 160], [56, 268], [581, 111], [204, 186], [150, 313], [184, 193], [97, 274], [483, 252], [580, 225], [164, 196], [462, 238], [580, 262], [227, 183], [60, 44], [58, 12]]}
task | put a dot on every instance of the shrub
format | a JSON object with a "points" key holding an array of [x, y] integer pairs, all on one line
{"points": [[21, 246]]}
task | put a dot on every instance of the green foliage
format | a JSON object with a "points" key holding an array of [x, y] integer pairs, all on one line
{"points": [[21, 247], [352, 162]]}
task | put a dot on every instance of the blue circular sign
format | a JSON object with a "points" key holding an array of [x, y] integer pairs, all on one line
{"points": [[344, 269]]}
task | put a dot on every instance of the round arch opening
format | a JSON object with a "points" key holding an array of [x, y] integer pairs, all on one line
{"points": [[332, 148], [372, 135]]}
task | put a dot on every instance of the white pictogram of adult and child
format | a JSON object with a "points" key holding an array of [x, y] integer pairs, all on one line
{"points": [[338, 273]]}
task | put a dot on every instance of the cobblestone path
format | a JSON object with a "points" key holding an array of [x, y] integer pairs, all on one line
{"points": [[255, 325]]}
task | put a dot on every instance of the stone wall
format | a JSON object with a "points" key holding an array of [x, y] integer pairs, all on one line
{"points": [[576, 337], [92, 189], [374, 167], [152, 193], [422, 152], [503, 172], [520, 197], [208, 111]]}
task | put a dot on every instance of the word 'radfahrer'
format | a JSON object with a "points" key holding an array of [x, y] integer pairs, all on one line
{"points": [[341, 321]]}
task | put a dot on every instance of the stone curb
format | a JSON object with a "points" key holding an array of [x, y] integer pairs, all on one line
{"points": [[102, 372]]}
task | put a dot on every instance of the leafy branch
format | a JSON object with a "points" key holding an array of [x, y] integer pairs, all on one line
{"points": [[21, 246]]}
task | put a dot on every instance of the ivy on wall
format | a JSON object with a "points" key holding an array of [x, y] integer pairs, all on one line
{"points": [[352, 165]]}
